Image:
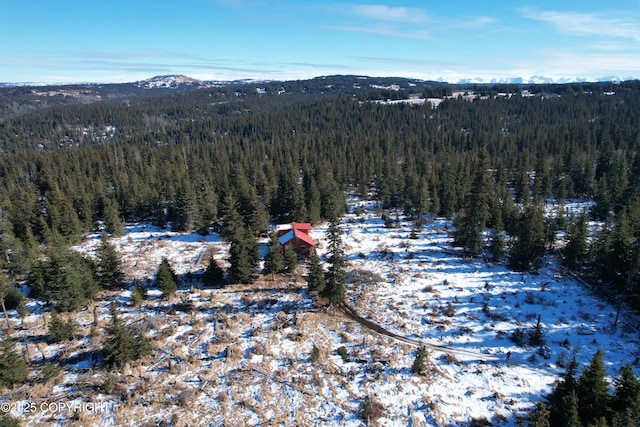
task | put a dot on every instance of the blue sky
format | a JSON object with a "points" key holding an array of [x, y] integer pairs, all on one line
{"points": [[121, 41]]}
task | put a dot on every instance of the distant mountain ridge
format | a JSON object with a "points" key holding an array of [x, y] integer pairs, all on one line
{"points": [[175, 81], [183, 82], [170, 82]]}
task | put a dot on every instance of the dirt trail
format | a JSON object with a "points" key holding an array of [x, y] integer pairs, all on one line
{"points": [[351, 313]]}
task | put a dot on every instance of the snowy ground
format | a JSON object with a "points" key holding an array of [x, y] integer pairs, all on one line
{"points": [[241, 355]]}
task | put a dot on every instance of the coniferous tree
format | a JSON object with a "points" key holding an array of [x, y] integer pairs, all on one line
{"points": [[523, 192], [184, 212], [472, 220], [244, 253], [61, 217], [315, 280], [60, 330], [138, 293], [13, 367], [335, 276], [312, 195], [592, 390], [4, 291], [563, 400], [10, 297], [530, 240], [290, 259], [273, 260], [14, 254], [249, 206], [159, 215], [332, 199], [122, 345], [112, 222], [166, 279], [289, 201], [419, 366], [568, 415], [496, 246], [66, 280], [576, 249], [602, 207], [539, 416], [213, 275], [233, 222], [7, 420], [207, 202], [109, 266], [242, 257], [626, 398]]}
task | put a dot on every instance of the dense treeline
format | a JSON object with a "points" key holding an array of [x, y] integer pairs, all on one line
{"points": [[586, 399], [187, 156], [290, 151]]}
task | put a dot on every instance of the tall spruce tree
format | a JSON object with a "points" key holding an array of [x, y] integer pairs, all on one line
{"points": [[112, 222], [627, 392], [122, 345], [563, 399], [539, 416], [273, 260], [290, 259], [13, 367], [184, 212], [315, 280], [60, 330], [166, 279], [593, 391], [214, 274], [109, 266], [576, 249], [335, 277], [473, 218], [530, 240], [66, 279], [243, 256], [244, 252]]}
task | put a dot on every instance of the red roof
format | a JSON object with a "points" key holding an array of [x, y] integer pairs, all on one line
{"points": [[303, 226], [300, 234], [299, 230]]}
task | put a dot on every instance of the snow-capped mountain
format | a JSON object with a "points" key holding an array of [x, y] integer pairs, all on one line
{"points": [[171, 82], [536, 79]]}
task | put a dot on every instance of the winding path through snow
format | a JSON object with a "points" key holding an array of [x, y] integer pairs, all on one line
{"points": [[351, 313]]}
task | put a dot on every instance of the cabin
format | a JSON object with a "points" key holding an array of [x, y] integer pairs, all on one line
{"points": [[295, 234]]}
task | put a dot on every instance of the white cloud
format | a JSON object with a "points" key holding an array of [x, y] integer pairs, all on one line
{"points": [[474, 22], [385, 13], [586, 24], [380, 29]]}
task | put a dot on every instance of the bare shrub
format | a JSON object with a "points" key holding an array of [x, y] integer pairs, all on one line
{"points": [[222, 397], [316, 380], [233, 352], [450, 358], [480, 422], [296, 336], [258, 349], [185, 397], [223, 337], [371, 410]]}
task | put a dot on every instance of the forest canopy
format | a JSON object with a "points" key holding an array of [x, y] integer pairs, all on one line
{"points": [[104, 155]]}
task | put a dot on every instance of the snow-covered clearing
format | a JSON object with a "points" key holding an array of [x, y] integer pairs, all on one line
{"points": [[242, 355]]}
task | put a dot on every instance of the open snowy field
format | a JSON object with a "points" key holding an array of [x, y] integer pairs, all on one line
{"points": [[242, 355]]}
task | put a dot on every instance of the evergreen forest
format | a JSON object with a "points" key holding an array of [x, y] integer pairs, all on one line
{"points": [[232, 154]]}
